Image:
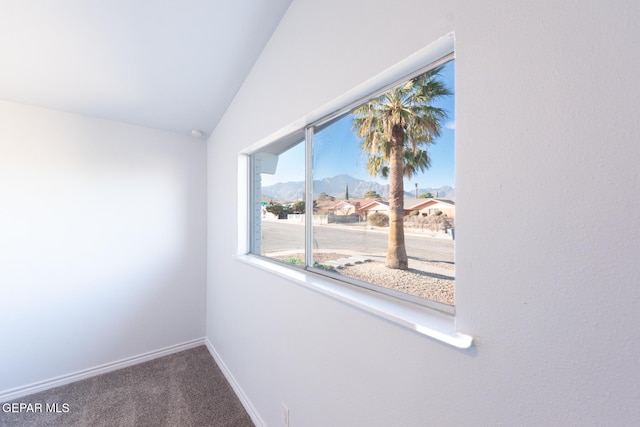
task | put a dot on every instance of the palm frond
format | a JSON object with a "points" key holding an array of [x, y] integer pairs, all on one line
{"points": [[408, 107]]}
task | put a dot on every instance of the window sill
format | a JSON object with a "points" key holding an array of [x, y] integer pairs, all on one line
{"points": [[423, 320]]}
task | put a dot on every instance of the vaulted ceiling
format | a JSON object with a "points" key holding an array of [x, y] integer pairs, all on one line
{"points": [[173, 65]]}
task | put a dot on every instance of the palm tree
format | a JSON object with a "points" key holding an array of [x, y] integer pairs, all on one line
{"points": [[414, 162], [393, 128]]}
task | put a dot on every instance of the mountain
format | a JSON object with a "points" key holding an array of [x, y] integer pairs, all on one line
{"points": [[444, 192], [335, 186], [284, 191]]}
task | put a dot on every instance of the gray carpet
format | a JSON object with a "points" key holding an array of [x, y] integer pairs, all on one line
{"points": [[183, 389]]}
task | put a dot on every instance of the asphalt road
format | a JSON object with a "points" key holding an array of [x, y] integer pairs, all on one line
{"points": [[284, 235]]}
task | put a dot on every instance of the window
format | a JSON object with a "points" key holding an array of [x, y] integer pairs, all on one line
{"points": [[366, 195], [278, 201], [333, 205]]}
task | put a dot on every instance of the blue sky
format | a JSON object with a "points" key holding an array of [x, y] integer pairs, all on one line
{"points": [[337, 151]]}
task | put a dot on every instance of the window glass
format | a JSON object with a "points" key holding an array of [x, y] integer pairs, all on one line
{"points": [[383, 192], [278, 200], [354, 200]]}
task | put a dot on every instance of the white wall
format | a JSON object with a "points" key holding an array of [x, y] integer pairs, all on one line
{"points": [[547, 279], [102, 247]]}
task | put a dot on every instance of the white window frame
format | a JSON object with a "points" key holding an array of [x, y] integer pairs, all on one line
{"points": [[432, 319]]}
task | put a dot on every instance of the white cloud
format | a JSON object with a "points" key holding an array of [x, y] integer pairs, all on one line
{"points": [[450, 125]]}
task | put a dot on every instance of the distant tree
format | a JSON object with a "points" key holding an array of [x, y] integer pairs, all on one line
{"points": [[298, 207], [324, 196], [278, 210], [371, 194], [346, 192], [425, 196]]}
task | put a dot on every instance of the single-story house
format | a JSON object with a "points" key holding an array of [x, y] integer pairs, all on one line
{"points": [[430, 206]]}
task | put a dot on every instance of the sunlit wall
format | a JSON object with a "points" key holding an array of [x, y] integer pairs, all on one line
{"points": [[101, 242]]}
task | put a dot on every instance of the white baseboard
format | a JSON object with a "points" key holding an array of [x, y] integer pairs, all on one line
{"points": [[255, 417], [18, 392]]}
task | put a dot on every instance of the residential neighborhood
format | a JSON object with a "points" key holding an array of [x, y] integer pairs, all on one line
{"points": [[340, 211]]}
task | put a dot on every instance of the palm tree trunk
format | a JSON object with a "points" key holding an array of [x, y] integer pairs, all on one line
{"points": [[396, 251]]}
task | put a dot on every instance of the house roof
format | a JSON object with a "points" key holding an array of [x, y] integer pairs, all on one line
{"points": [[417, 204], [331, 204], [374, 204]]}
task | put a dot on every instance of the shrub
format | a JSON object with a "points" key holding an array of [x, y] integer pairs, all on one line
{"points": [[298, 261], [298, 207], [379, 219], [433, 222], [278, 210]]}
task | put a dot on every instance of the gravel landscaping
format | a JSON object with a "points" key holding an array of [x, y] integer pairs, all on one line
{"points": [[412, 281], [418, 280]]}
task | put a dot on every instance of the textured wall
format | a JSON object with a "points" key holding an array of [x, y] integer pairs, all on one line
{"points": [[102, 254], [547, 131]]}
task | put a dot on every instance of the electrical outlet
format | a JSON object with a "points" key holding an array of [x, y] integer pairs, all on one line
{"points": [[285, 415]]}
